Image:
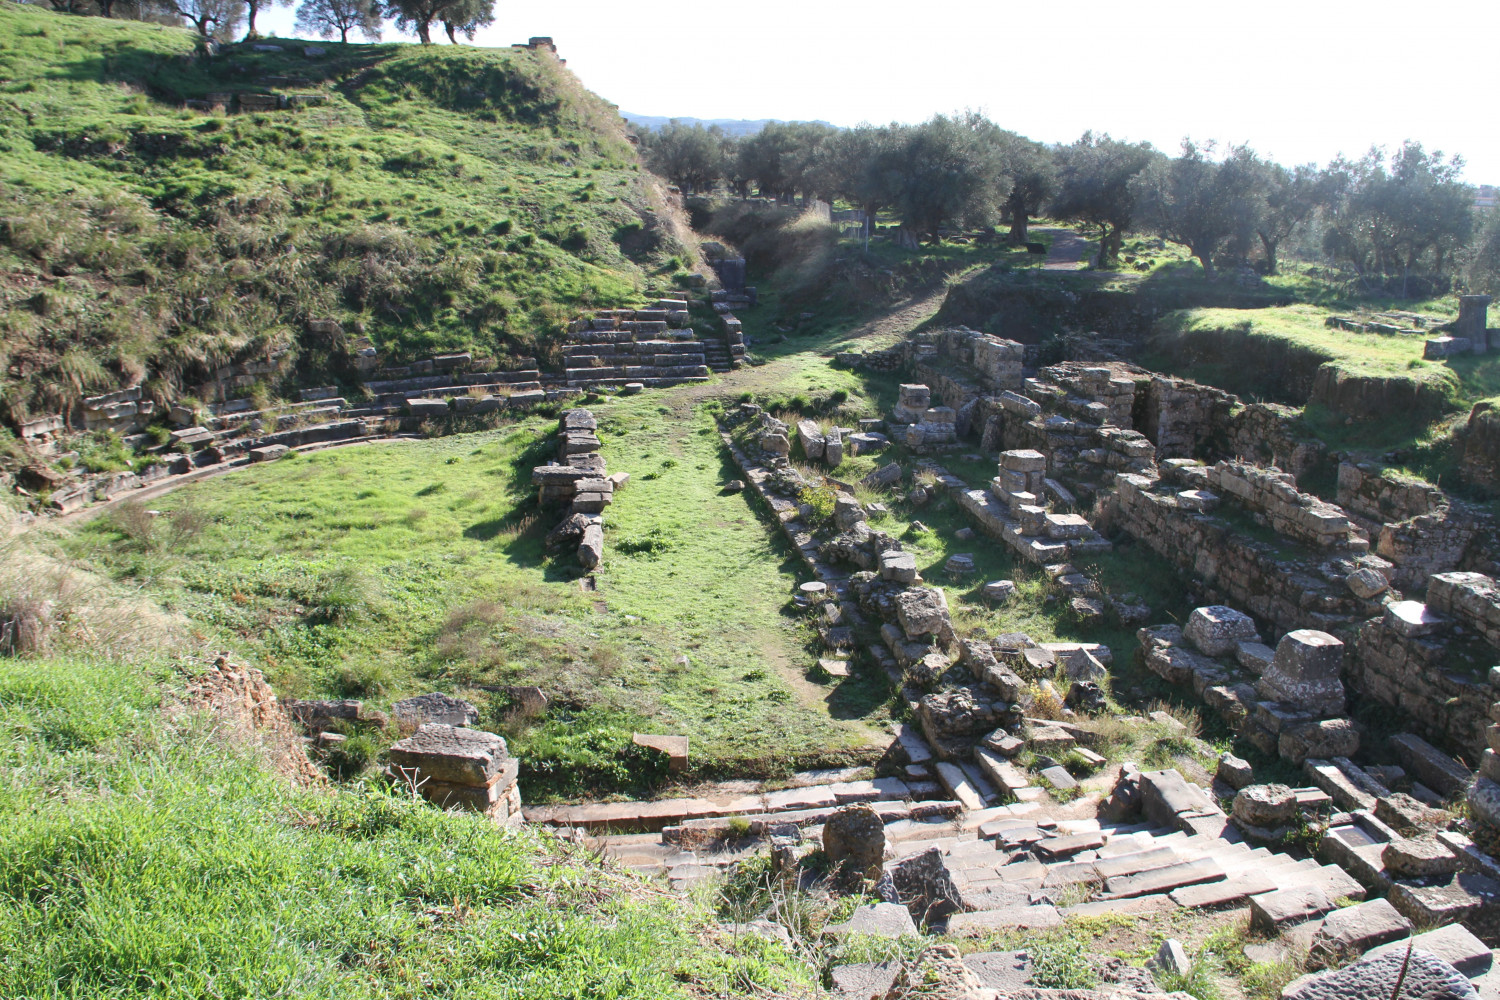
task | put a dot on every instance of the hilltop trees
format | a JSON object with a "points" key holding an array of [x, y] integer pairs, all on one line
{"points": [[1199, 202], [213, 18], [327, 18], [949, 170], [253, 7], [416, 17], [465, 17], [1389, 218], [1032, 169], [690, 156], [1288, 198], [1095, 175]]}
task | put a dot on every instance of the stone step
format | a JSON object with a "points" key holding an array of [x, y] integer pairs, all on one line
{"points": [[1163, 880], [1097, 871], [1232, 890], [1039, 917]]}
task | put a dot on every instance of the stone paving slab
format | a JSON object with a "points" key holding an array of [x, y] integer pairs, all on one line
{"points": [[1272, 912], [1454, 944], [1235, 890], [1162, 880], [1039, 917]]}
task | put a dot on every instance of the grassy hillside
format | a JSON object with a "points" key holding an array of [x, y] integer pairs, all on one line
{"points": [[430, 199], [150, 852], [385, 570]]}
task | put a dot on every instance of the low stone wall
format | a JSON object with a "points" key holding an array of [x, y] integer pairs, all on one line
{"points": [[1416, 526], [1407, 674], [1288, 591], [1480, 465]]}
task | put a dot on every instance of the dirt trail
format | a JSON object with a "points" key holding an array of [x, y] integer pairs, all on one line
{"points": [[879, 332], [1067, 251]]}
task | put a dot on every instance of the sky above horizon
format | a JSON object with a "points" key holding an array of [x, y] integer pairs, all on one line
{"points": [[1298, 81]]}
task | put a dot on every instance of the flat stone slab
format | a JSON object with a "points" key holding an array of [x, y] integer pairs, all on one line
{"points": [[1058, 777], [1235, 890], [1273, 911], [436, 708], [1057, 848], [1040, 917], [1454, 944], [1163, 880], [1434, 905], [451, 753], [1426, 977], [887, 920], [675, 747], [958, 784], [1000, 970], [1356, 929], [864, 980]]}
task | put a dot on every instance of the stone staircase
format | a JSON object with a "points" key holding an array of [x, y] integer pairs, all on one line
{"points": [[717, 356], [617, 347]]}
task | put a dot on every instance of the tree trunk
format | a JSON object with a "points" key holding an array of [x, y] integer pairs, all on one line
{"points": [[1207, 260], [343, 36], [1269, 245], [250, 9], [424, 32], [449, 28], [1018, 222]]}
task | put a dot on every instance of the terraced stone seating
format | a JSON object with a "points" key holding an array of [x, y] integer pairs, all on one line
{"points": [[652, 346]]}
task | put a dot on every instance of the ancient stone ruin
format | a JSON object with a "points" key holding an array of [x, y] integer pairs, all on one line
{"points": [[578, 479], [454, 767]]}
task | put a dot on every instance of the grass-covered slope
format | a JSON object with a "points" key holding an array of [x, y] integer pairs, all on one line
{"points": [[437, 198], [386, 570], [146, 851]]}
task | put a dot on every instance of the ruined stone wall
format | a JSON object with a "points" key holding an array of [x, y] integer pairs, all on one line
{"points": [[1183, 418], [1300, 516], [1269, 433], [1236, 569], [1417, 526], [1407, 674], [1480, 464]]}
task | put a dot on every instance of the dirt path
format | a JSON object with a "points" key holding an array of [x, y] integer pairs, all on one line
{"points": [[877, 333], [1068, 250]]}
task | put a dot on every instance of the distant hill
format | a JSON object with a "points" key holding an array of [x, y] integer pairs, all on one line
{"points": [[157, 227], [731, 126]]}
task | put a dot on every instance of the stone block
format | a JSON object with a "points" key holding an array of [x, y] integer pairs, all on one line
{"points": [[1413, 619], [1430, 765], [1272, 912], [1418, 857], [450, 753], [1216, 629], [435, 708], [1306, 672], [1423, 976], [898, 567]]}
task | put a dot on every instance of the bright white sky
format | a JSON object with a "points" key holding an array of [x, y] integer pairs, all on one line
{"points": [[1299, 80]]}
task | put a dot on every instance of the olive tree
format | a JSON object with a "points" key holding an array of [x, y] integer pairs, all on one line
{"points": [[327, 18], [1198, 201], [1094, 187]]}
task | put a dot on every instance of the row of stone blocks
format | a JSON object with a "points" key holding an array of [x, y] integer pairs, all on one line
{"points": [[467, 379]]}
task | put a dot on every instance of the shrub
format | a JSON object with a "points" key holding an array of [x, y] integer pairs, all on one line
{"points": [[821, 499]]}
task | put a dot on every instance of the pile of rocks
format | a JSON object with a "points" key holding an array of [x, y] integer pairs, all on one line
{"points": [[456, 767], [580, 481]]}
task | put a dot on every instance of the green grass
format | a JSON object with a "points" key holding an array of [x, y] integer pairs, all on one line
{"points": [[147, 855], [438, 199], [381, 571]]}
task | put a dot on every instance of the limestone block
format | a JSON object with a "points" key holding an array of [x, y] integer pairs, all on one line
{"points": [[428, 407], [268, 453], [1320, 740], [1023, 460], [923, 611], [1366, 583], [855, 835], [1423, 977], [1000, 592], [1413, 619], [1306, 672], [591, 546], [811, 437], [436, 708], [1418, 857], [1234, 771], [450, 753], [775, 442], [1267, 806], [898, 567], [1216, 629]]}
